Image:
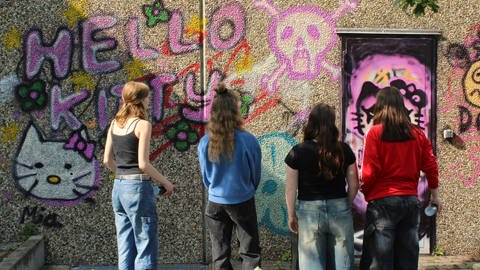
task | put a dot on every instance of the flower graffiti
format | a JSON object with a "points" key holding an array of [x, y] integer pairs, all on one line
{"points": [[155, 13], [246, 101], [182, 135], [31, 96]]}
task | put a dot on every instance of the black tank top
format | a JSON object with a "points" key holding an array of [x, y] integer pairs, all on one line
{"points": [[125, 149]]}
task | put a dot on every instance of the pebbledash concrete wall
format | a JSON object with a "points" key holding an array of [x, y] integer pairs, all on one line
{"points": [[63, 64]]}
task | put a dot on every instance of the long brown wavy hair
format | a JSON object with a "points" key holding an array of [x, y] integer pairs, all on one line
{"points": [[391, 112], [225, 117], [133, 94], [321, 129]]}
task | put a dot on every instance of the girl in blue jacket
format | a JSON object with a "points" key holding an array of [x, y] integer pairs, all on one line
{"points": [[230, 161]]}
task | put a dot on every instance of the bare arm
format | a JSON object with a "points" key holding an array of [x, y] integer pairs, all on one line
{"points": [[108, 159], [291, 186], [144, 133], [352, 180]]}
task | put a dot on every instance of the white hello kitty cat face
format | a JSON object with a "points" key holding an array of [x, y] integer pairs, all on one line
{"points": [[51, 170]]}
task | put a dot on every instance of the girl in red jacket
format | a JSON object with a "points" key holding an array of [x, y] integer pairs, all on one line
{"points": [[395, 153]]}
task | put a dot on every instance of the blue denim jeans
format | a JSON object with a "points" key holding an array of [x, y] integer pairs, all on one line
{"points": [[136, 224], [325, 234], [391, 234]]}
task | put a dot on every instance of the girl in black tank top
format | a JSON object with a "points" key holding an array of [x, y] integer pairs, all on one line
{"points": [[133, 197], [125, 149]]}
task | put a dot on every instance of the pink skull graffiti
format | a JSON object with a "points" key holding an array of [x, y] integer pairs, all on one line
{"points": [[300, 37]]}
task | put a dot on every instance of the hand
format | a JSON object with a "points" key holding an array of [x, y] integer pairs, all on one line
{"points": [[169, 188], [293, 223], [437, 201]]}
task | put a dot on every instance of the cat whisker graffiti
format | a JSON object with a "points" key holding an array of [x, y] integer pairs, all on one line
{"points": [[89, 188], [76, 179], [20, 177], [23, 165]]}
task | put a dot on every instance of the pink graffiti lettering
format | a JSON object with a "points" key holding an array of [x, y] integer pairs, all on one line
{"points": [[116, 90], [61, 107], [133, 41], [159, 83], [102, 113], [175, 36], [233, 15], [92, 45], [202, 115], [59, 53]]}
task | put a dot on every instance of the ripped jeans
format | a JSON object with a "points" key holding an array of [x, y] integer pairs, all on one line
{"points": [[134, 206], [325, 234], [391, 234]]}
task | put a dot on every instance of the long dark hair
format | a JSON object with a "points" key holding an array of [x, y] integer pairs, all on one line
{"points": [[225, 117], [321, 129], [390, 111]]}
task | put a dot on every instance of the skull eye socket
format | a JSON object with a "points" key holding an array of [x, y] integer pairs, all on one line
{"points": [[287, 33], [313, 32]]}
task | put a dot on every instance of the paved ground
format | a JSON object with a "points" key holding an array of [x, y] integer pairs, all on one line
{"points": [[425, 263]]}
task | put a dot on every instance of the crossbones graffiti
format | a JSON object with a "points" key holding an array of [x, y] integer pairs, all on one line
{"points": [[300, 37]]}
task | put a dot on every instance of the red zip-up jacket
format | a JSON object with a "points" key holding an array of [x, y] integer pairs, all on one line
{"points": [[393, 168]]}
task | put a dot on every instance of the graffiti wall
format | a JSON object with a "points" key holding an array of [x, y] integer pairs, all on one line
{"points": [[64, 62]]}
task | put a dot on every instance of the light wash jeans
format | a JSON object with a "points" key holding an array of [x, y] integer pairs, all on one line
{"points": [[136, 223], [325, 234]]}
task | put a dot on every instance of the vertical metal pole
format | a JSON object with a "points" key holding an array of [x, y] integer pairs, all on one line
{"points": [[203, 87]]}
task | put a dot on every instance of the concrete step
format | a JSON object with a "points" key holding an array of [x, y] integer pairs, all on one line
{"points": [[56, 267], [28, 255]]}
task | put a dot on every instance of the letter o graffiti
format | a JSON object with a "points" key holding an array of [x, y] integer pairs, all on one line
{"points": [[233, 15]]}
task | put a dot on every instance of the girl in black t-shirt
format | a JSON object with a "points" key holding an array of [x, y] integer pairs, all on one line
{"points": [[319, 168]]}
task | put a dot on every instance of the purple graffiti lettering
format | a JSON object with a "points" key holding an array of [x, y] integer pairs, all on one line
{"points": [[116, 91], [233, 15], [189, 87], [61, 107], [92, 45], [59, 53], [158, 84], [175, 36], [202, 114], [133, 41], [102, 113]]}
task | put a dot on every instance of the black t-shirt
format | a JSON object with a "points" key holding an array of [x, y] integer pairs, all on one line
{"points": [[311, 184]]}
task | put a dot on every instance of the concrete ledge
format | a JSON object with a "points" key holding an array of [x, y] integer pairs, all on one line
{"points": [[29, 255]]}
